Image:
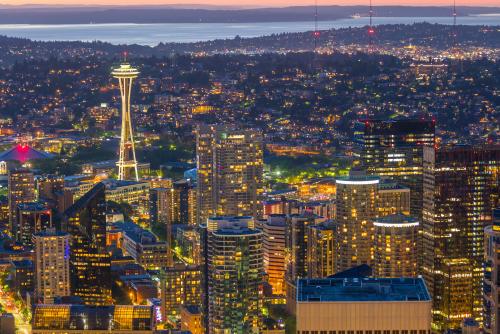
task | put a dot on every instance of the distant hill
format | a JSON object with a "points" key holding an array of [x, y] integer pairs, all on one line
{"points": [[175, 14]]}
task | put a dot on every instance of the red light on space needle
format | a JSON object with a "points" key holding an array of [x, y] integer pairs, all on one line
{"points": [[317, 34], [371, 31]]}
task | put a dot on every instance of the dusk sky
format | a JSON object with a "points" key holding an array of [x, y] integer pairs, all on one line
{"points": [[257, 3]]}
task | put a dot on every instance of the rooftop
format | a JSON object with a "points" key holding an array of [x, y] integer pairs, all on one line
{"points": [[362, 290], [358, 177], [137, 233], [33, 207], [23, 153], [396, 220]]}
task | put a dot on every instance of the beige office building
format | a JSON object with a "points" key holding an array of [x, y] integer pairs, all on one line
{"points": [[363, 306], [230, 172], [51, 265]]}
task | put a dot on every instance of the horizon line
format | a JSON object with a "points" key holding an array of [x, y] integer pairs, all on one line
{"points": [[222, 7]]}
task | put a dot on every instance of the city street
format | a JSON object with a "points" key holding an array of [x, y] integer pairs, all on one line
{"points": [[8, 303]]}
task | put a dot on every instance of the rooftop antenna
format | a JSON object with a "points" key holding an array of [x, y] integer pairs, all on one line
{"points": [[454, 22], [371, 31], [125, 56], [316, 31]]}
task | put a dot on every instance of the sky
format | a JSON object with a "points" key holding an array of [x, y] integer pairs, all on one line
{"points": [[256, 3]]}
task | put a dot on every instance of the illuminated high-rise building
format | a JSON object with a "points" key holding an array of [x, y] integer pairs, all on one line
{"points": [[321, 250], [274, 231], [356, 208], [51, 265], [32, 218], [161, 210], [395, 246], [230, 172], [461, 188], [21, 185], [180, 286], [234, 270], [90, 261], [491, 292], [392, 199], [127, 162], [393, 149], [296, 255]]}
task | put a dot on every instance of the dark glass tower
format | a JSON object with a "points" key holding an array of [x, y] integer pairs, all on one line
{"points": [[461, 188], [394, 149], [89, 261]]}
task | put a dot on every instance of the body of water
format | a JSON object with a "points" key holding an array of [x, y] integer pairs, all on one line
{"points": [[152, 34]]}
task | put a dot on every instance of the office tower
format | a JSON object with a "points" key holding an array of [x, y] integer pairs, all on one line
{"points": [[461, 188], [273, 235], [230, 171], [395, 250], [145, 247], [491, 292], [321, 250], [357, 197], [31, 218], [21, 185], [161, 210], [51, 265], [234, 272], [181, 190], [127, 163], [22, 276], [160, 205], [363, 305], [297, 241], [392, 199], [393, 149], [180, 285], [296, 259], [90, 261], [63, 319]]}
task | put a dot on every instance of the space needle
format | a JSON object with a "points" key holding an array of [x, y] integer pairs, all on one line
{"points": [[127, 162]]}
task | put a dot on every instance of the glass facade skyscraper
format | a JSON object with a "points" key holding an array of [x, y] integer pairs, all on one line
{"points": [[461, 188], [394, 149], [89, 261]]}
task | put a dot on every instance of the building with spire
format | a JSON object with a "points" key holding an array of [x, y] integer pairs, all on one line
{"points": [[127, 162]]}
